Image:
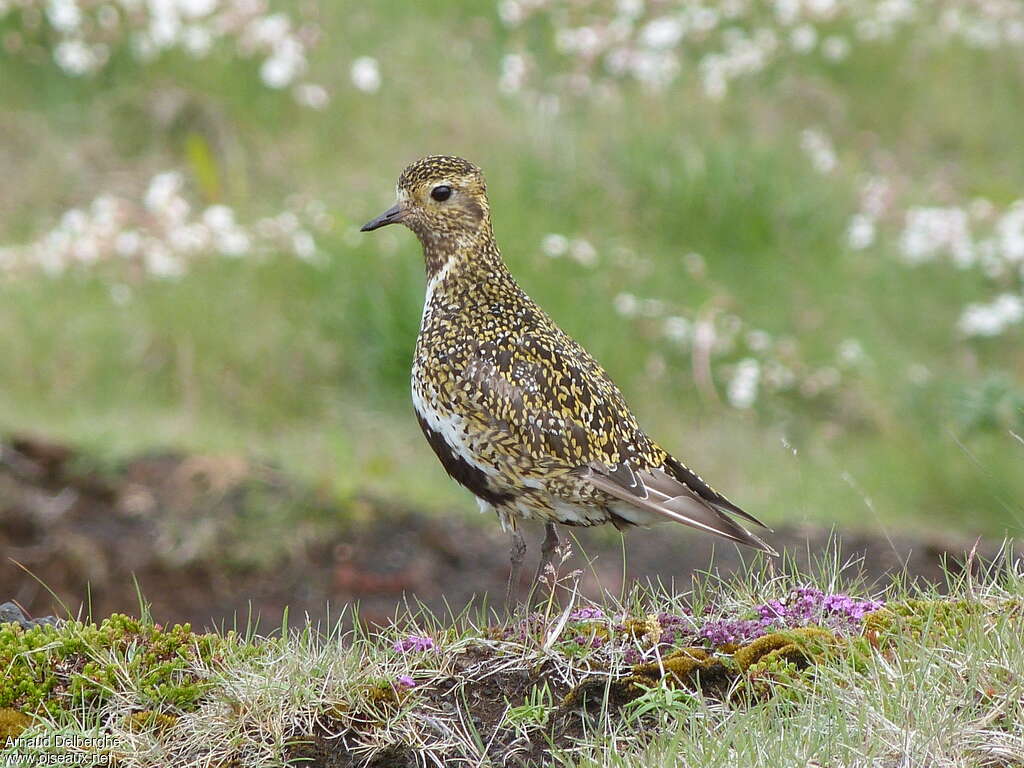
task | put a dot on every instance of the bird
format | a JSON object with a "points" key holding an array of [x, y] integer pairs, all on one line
{"points": [[516, 410]]}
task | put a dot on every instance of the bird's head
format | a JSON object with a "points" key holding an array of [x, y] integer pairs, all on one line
{"points": [[440, 198]]}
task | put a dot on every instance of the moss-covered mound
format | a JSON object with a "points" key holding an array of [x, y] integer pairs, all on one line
{"points": [[52, 670]]}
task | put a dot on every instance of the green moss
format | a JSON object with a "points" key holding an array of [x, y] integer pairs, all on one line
{"points": [[149, 720], [679, 667], [12, 723], [802, 647], [936, 618], [54, 669]]}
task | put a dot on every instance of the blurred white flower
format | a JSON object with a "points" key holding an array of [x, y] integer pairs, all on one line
{"points": [[197, 40], [158, 233], [75, 57], [287, 62], [513, 73], [554, 245], [850, 352], [163, 188], [219, 218], [63, 14], [992, 319], [803, 38], [928, 231], [626, 304], [818, 147], [677, 329], [860, 232], [312, 95], [835, 48], [582, 252], [196, 8], [664, 32], [742, 388], [1010, 232], [365, 74]]}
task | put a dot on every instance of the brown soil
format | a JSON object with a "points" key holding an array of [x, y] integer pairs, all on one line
{"points": [[215, 540]]}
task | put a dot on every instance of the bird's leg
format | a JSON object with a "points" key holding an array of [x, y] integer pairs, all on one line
{"points": [[516, 555], [547, 552]]}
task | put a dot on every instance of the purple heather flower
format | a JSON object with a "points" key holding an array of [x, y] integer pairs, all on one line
{"points": [[586, 613], [414, 643], [405, 681], [727, 631]]}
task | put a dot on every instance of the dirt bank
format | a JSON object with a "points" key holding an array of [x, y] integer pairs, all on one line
{"points": [[207, 539]]}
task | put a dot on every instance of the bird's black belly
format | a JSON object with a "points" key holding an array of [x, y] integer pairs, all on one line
{"points": [[459, 469]]}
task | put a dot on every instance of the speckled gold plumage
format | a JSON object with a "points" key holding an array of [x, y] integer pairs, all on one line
{"points": [[517, 411]]}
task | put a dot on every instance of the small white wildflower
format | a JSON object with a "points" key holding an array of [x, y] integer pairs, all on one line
{"points": [[704, 18], [554, 245], [992, 319], [127, 243], [835, 48], [219, 218], [850, 352], [1010, 232], [162, 189], [160, 262], [821, 8], [233, 242], [74, 221], [663, 32], [197, 40], [64, 15], [629, 8], [677, 329], [74, 57], [704, 334], [929, 231], [269, 30], [742, 389], [196, 8], [875, 194], [582, 252], [787, 11], [513, 73], [304, 245], [312, 95], [818, 147], [510, 12], [626, 304], [365, 74], [860, 232], [803, 38], [285, 65]]}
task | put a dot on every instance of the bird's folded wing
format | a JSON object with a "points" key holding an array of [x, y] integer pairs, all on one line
{"points": [[655, 491]]}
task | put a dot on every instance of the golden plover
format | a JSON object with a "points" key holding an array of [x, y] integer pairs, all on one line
{"points": [[516, 410]]}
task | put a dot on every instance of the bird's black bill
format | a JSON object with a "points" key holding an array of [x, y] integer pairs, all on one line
{"points": [[392, 215]]}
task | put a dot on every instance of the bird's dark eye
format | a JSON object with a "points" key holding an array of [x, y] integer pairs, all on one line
{"points": [[441, 192]]}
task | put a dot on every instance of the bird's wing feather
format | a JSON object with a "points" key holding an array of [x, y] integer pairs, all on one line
{"points": [[655, 491]]}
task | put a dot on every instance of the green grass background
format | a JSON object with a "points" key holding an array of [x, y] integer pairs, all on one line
{"points": [[308, 366]]}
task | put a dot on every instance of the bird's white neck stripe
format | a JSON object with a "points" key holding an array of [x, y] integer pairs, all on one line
{"points": [[432, 284]]}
